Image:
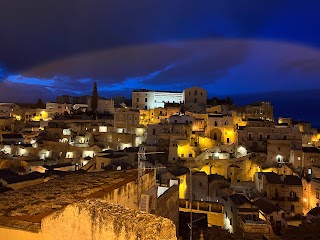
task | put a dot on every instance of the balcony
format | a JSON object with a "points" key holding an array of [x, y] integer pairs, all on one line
{"points": [[293, 199], [277, 198], [255, 226]]}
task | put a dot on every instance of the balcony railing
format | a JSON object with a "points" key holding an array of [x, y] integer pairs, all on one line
{"points": [[292, 199]]}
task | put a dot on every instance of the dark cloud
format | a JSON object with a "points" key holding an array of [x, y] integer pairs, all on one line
{"points": [[219, 65], [305, 66], [15, 92], [36, 32]]}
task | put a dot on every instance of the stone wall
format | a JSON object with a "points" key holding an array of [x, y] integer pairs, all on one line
{"points": [[168, 205], [98, 220]]}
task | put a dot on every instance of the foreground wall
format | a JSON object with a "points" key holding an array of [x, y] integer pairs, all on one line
{"points": [[98, 220]]}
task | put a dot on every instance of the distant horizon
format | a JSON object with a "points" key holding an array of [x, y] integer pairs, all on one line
{"points": [[285, 103]]}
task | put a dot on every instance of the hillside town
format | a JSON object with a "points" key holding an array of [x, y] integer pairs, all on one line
{"points": [[163, 165]]}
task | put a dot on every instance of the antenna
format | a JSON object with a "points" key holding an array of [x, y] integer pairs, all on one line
{"points": [[142, 156]]}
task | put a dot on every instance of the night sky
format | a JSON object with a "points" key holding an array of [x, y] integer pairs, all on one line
{"points": [[247, 49]]}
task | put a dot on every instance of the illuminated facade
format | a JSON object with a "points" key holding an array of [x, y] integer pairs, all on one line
{"points": [[284, 190], [256, 134], [259, 110], [148, 99]]}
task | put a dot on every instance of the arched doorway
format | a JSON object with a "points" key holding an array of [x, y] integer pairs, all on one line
{"points": [[216, 134]]}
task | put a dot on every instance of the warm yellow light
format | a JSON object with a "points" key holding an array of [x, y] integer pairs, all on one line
{"points": [[304, 199]]}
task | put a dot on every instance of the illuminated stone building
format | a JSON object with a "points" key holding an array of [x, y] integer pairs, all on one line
{"points": [[242, 217], [259, 110], [104, 105], [286, 191], [303, 159], [221, 128], [8, 110], [195, 99], [126, 120], [157, 115], [259, 135]]}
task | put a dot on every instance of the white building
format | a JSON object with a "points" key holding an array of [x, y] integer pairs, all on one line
{"points": [[149, 99]]}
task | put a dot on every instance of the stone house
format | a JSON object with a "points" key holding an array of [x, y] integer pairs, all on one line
{"points": [[285, 191]]}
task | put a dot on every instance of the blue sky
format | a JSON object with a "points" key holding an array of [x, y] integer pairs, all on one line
{"points": [[240, 48]]}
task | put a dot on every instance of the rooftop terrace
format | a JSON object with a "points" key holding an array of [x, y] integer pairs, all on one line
{"points": [[25, 208]]}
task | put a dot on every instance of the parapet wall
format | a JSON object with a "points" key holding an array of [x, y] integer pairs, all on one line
{"points": [[94, 219]]}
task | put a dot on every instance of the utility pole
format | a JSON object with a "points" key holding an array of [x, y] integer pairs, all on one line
{"points": [[190, 196], [142, 156]]}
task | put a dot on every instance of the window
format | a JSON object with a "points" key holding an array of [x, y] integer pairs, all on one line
{"points": [[317, 194], [278, 148], [249, 136], [299, 158], [284, 137], [215, 137], [137, 99], [146, 100], [154, 131], [268, 136], [200, 184], [228, 140], [312, 159], [293, 195], [145, 107], [292, 208], [190, 154], [215, 123], [182, 155], [260, 136], [231, 209], [195, 92]]}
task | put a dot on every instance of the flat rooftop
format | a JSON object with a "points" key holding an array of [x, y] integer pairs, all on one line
{"points": [[25, 208]]}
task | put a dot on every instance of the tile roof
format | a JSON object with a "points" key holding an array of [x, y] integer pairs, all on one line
{"points": [[239, 199], [266, 206], [274, 178]]}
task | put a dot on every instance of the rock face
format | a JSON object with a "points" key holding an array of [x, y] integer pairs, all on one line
{"points": [[95, 219]]}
